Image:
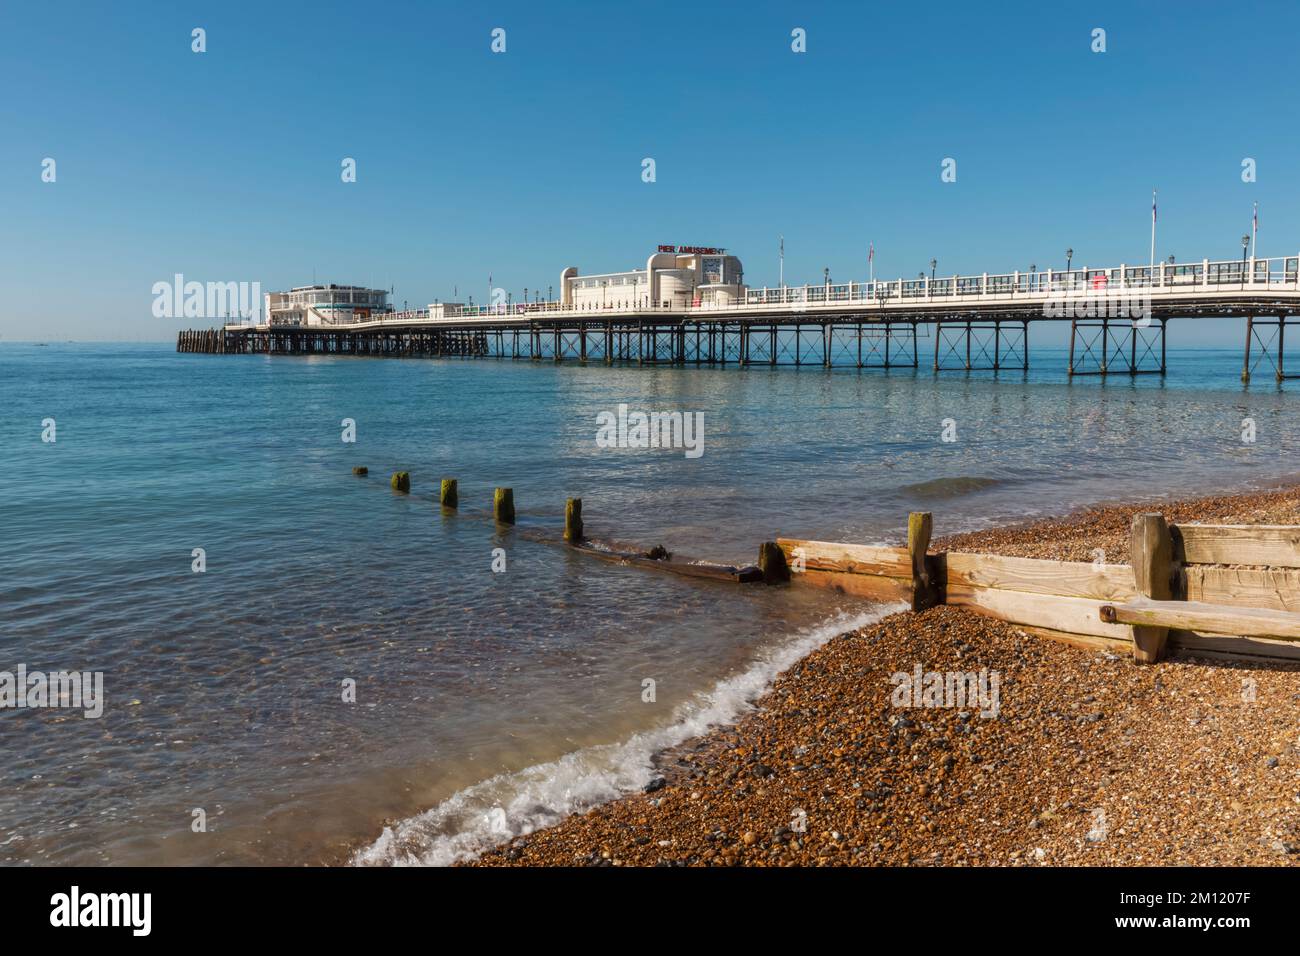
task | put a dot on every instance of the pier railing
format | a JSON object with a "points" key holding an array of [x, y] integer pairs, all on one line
{"points": [[1164, 279]]}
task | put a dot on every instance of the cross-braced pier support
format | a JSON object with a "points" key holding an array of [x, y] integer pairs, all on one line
{"points": [[1272, 346], [981, 346], [1117, 346]]}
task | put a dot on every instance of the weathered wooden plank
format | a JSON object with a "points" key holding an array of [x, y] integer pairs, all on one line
{"points": [[847, 558], [1219, 645], [714, 572], [1102, 582], [1205, 618], [1152, 550], [1278, 589], [1071, 615], [875, 587], [1258, 544], [1089, 642]]}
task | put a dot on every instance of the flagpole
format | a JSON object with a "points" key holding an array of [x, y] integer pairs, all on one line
{"points": [[1254, 229], [1152, 267], [782, 262]]}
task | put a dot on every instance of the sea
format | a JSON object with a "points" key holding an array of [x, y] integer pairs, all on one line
{"points": [[304, 666]]}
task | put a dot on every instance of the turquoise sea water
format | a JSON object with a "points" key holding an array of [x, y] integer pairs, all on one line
{"points": [[485, 702]]}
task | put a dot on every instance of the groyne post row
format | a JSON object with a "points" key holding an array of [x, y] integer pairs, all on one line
{"points": [[657, 558], [1228, 590]]}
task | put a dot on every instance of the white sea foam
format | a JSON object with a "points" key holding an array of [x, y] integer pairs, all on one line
{"points": [[509, 805]]}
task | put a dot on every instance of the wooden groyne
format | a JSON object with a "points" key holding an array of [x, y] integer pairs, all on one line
{"points": [[1230, 590], [1207, 589]]}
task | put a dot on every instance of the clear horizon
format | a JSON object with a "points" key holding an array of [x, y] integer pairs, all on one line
{"points": [[517, 164]]}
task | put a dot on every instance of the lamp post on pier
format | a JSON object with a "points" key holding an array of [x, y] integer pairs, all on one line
{"points": [[1245, 244]]}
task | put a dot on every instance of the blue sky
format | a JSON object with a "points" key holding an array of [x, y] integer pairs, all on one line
{"points": [[225, 166]]}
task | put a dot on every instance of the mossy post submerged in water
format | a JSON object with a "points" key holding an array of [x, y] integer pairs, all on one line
{"points": [[772, 563], [573, 520], [448, 497], [361, 471], [503, 505], [402, 481]]}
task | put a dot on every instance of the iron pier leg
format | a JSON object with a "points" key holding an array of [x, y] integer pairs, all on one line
{"points": [[1245, 362], [1281, 346]]}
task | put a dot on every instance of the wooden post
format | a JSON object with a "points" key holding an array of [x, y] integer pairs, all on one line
{"points": [[573, 520], [772, 563], [401, 481], [360, 471], [1152, 555], [503, 505], [925, 583], [448, 496]]}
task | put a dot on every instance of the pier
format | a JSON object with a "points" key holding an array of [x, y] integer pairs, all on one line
{"points": [[1119, 318]]}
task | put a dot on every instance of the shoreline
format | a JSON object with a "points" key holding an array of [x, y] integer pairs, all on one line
{"points": [[827, 771]]}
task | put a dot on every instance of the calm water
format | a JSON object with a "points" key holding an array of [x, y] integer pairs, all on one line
{"points": [[485, 702]]}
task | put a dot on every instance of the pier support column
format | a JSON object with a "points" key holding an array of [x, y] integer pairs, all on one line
{"points": [[1281, 347], [1245, 362]]}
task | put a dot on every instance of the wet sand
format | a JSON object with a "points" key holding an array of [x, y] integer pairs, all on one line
{"points": [[1090, 759]]}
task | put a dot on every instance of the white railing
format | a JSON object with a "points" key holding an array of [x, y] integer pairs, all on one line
{"points": [[1179, 278]]}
